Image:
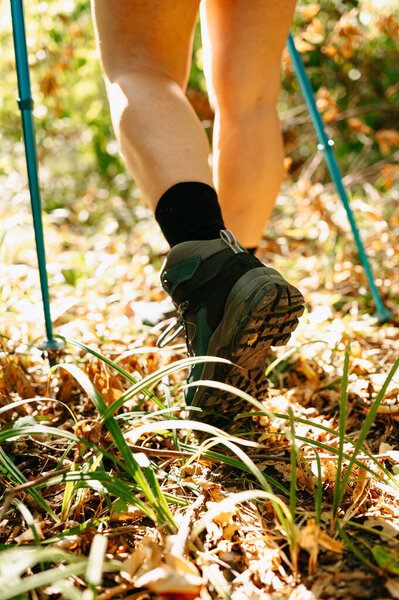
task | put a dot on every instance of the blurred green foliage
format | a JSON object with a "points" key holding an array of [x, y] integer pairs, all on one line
{"points": [[350, 50]]}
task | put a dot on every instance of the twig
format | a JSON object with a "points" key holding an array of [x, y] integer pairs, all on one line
{"points": [[12, 492], [292, 112], [277, 457], [311, 166], [361, 176], [118, 589], [183, 454], [43, 456], [386, 409], [347, 114], [362, 110], [181, 539]]}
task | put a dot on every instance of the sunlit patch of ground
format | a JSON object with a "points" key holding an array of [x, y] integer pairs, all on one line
{"points": [[98, 280]]}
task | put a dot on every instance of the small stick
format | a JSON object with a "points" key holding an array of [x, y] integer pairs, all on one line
{"points": [[12, 492], [182, 454]]}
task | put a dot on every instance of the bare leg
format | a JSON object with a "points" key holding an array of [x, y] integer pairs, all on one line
{"points": [[243, 41], [146, 51]]}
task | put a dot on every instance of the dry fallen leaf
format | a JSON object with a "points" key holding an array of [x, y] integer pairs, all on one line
{"points": [[167, 581], [219, 514], [309, 11], [311, 537], [16, 380], [387, 139], [302, 593], [144, 558], [154, 566], [357, 124], [302, 46], [392, 585], [383, 527]]}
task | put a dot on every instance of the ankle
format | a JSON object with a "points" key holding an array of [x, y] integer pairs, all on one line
{"points": [[189, 211]]}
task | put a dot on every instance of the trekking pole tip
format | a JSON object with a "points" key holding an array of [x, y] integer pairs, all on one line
{"points": [[52, 345], [383, 315]]}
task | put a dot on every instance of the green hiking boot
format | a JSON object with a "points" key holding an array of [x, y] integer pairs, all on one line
{"points": [[230, 306]]}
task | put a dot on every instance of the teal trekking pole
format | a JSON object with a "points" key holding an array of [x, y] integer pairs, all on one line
{"points": [[25, 104], [326, 144]]}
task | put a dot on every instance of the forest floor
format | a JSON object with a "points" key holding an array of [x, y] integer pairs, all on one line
{"points": [[198, 513]]}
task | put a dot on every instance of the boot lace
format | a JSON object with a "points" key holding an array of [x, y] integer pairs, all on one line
{"points": [[176, 327]]}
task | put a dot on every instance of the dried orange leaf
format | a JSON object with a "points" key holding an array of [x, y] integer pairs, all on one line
{"points": [[311, 536], [358, 125], [145, 558], [166, 580], [387, 139], [302, 46], [309, 11]]}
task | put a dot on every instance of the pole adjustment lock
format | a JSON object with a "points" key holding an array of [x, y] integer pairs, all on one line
{"points": [[25, 103]]}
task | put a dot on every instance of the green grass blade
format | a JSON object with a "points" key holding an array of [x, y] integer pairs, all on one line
{"points": [[48, 577], [76, 530], [156, 376], [237, 498], [100, 356], [134, 435], [153, 481], [342, 426], [219, 385], [293, 465], [147, 381], [13, 405], [221, 436], [67, 497], [16, 561], [63, 456], [353, 548], [170, 348], [390, 478], [29, 520], [377, 532], [283, 357], [166, 387], [252, 468], [116, 487], [243, 395], [229, 460], [7, 435], [108, 362], [319, 488], [16, 476], [365, 429], [102, 483], [94, 570], [115, 432], [335, 451], [68, 591]]}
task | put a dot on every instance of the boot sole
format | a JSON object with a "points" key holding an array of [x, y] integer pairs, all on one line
{"points": [[262, 310]]}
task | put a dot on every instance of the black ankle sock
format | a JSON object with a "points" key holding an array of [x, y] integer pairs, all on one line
{"points": [[252, 250], [189, 211]]}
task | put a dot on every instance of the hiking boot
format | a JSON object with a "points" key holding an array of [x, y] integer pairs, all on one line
{"points": [[230, 306]]}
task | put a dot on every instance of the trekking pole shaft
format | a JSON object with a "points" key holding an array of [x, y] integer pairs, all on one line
{"points": [[326, 144], [26, 106]]}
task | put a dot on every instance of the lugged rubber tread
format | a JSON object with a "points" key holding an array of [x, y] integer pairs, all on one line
{"points": [[266, 318]]}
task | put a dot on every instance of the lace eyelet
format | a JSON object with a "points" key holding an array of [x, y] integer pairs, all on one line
{"points": [[183, 306]]}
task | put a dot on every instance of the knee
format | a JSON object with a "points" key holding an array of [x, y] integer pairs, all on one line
{"points": [[240, 96], [240, 107], [139, 66]]}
